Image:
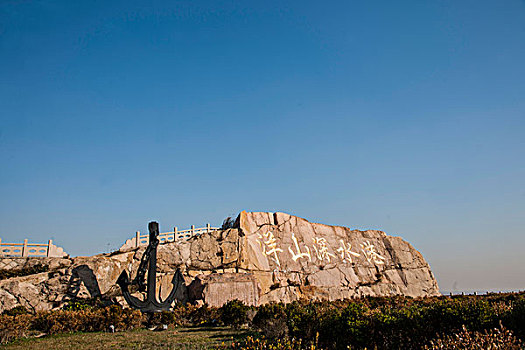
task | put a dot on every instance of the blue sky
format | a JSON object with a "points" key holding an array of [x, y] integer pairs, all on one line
{"points": [[408, 117]]}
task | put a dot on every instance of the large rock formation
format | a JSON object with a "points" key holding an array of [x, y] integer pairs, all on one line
{"points": [[265, 257]]}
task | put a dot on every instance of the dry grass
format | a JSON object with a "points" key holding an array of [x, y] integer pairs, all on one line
{"points": [[173, 338]]}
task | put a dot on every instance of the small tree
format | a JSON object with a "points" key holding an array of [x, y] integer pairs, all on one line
{"points": [[229, 222]]}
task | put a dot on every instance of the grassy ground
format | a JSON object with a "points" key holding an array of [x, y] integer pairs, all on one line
{"points": [[173, 338]]}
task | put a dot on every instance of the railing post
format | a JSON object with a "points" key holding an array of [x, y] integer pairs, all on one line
{"points": [[24, 248], [49, 243], [175, 233], [192, 230], [208, 229], [137, 239]]}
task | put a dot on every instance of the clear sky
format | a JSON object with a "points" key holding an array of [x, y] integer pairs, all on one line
{"points": [[402, 116]]}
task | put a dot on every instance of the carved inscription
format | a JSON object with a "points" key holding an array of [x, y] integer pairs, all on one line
{"points": [[320, 250], [269, 246], [371, 254], [297, 254], [346, 252]]}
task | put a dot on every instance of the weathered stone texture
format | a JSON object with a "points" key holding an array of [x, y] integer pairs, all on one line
{"points": [[338, 272], [266, 257], [216, 289], [17, 264]]}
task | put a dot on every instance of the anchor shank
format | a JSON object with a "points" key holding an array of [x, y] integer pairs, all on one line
{"points": [[152, 268]]}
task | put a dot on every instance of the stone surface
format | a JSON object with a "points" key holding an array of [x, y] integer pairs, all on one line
{"points": [[333, 262], [265, 257], [16, 264], [216, 289]]}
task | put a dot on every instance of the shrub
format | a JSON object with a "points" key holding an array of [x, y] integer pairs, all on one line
{"points": [[496, 339], [263, 344], [234, 313], [161, 318], [17, 310], [61, 321], [182, 314], [87, 320], [76, 305], [14, 327], [515, 319], [382, 323], [303, 319], [204, 316], [353, 325], [122, 319], [270, 320]]}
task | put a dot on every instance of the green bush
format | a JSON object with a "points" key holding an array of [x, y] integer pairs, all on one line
{"points": [[303, 319], [385, 323], [233, 313], [353, 325]]}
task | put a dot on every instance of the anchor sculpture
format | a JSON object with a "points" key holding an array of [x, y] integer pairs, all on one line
{"points": [[149, 259]]}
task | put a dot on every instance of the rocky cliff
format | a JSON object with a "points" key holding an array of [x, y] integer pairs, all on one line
{"points": [[264, 257]]}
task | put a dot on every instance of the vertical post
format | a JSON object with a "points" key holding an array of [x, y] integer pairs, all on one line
{"points": [[208, 229], [192, 230], [49, 243], [137, 239], [24, 249], [175, 233]]}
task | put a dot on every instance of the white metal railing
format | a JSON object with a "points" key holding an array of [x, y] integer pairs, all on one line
{"points": [[141, 239], [31, 249]]}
